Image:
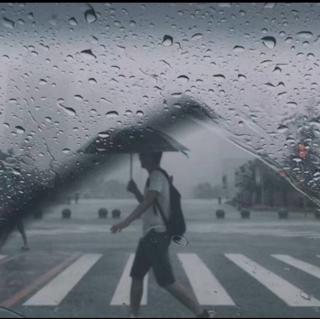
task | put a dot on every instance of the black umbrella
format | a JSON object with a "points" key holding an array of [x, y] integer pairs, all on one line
{"points": [[132, 140]]}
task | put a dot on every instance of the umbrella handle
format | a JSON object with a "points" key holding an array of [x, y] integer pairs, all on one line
{"points": [[131, 165]]}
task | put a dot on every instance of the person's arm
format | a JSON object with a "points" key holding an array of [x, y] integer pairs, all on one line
{"points": [[137, 213], [132, 188]]}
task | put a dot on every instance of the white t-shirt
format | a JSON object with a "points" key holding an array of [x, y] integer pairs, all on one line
{"points": [[157, 182]]}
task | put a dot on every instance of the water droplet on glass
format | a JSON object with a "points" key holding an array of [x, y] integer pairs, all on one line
{"points": [[197, 36], [219, 77], [69, 110], [73, 22], [305, 34], [112, 114], [78, 97], [167, 40], [92, 81], [90, 15], [269, 42], [242, 77], [88, 54], [140, 113], [183, 78], [66, 151], [43, 82], [8, 23], [282, 128], [20, 129], [103, 135], [238, 49]]}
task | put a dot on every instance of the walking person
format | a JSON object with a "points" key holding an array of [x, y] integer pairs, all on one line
{"points": [[153, 248]]}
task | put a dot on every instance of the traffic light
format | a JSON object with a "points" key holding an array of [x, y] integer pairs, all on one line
{"points": [[302, 150]]}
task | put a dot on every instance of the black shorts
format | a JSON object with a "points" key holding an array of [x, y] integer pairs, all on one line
{"points": [[153, 252]]}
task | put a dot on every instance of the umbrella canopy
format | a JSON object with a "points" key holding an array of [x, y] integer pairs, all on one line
{"points": [[133, 140]]}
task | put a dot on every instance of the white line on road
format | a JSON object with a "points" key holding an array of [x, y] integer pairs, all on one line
{"points": [[57, 289], [306, 267], [206, 287], [3, 257], [287, 292], [122, 294]]}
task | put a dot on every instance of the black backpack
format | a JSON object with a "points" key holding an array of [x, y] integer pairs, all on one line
{"points": [[176, 226]]}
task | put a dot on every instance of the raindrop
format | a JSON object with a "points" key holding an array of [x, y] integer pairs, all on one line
{"points": [[73, 22], [219, 77], [242, 77], [269, 42], [92, 81], [90, 15], [183, 78], [69, 110], [305, 34], [128, 112], [66, 151], [133, 23], [282, 128], [20, 130], [112, 114], [167, 40], [78, 97], [277, 70], [43, 82], [88, 54], [103, 135], [292, 104], [238, 49], [8, 23], [140, 113], [197, 36]]}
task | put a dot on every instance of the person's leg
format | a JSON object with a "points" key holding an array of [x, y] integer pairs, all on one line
{"points": [[136, 296], [140, 268], [21, 230], [185, 296]]}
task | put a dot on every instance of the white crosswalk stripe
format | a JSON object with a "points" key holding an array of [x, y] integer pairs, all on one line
{"points": [[57, 289], [206, 287], [306, 267], [122, 293], [287, 292]]}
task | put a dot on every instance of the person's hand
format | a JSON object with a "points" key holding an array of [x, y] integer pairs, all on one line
{"points": [[132, 187], [117, 228]]}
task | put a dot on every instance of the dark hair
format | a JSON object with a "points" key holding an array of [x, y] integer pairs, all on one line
{"points": [[157, 157]]}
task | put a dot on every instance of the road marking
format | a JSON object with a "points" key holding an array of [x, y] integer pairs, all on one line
{"points": [[2, 257], [122, 294], [56, 290], [38, 282], [287, 292], [306, 267], [206, 287]]}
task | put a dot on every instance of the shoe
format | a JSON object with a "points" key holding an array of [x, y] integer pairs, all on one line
{"points": [[207, 314]]}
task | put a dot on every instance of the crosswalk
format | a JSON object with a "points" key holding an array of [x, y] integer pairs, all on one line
{"points": [[63, 280]]}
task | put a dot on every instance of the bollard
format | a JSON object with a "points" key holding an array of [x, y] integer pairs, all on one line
{"points": [[103, 213], [66, 213], [283, 213], [220, 213], [245, 213], [116, 213]]}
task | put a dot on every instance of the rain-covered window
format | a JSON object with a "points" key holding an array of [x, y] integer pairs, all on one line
{"points": [[226, 92]]}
